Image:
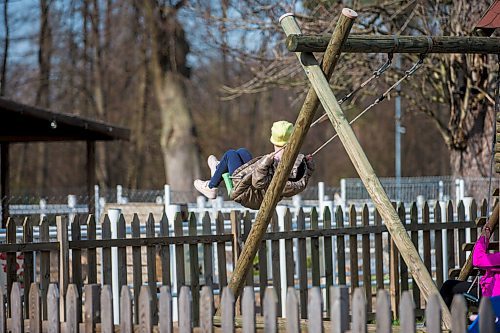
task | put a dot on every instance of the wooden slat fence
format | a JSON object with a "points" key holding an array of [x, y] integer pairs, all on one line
{"points": [[300, 250], [356, 319]]}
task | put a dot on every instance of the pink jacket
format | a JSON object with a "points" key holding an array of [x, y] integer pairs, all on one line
{"points": [[490, 262]]}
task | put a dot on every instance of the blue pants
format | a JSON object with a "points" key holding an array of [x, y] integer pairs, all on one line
{"points": [[229, 162]]}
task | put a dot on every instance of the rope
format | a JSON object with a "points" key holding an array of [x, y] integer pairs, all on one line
{"points": [[408, 73], [495, 113], [375, 75]]}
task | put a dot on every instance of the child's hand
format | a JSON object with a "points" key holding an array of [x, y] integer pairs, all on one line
{"points": [[487, 232], [310, 162]]}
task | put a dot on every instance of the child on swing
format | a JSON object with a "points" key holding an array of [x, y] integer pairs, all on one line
{"points": [[252, 176]]}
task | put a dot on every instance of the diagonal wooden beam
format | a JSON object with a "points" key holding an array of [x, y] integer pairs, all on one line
{"points": [[384, 206], [290, 153]]}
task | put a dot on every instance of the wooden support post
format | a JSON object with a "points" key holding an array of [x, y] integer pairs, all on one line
{"points": [[290, 153], [4, 180], [398, 44], [366, 172], [91, 178]]}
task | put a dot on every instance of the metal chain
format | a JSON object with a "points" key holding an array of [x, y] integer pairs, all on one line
{"points": [[408, 73], [376, 74]]}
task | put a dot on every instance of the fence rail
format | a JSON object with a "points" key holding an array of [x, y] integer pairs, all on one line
{"points": [[98, 312], [300, 250]]}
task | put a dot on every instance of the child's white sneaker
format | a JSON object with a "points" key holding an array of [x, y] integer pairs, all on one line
{"points": [[212, 164], [202, 187]]}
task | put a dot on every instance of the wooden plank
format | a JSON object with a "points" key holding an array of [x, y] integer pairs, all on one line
{"points": [[315, 315], [433, 315], [165, 252], [106, 252], [62, 238], [339, 220], [302, 262], [403, 268], [263, 272], [53, 308], [276, 267], [221, 252], [72, 323], [76, 265], [486, 316], [414, 239], [473, 217], [367, 271], [208, 266], [11, 262], [270, 311], [179, 254], [107, 309], [126, 321], [426, 238], [16, 308], [339, 308], [461, 232], [92, 307], [398, 44], [379, 253], [353, 250], [3, 313], [407, 313], [383, 313], [438, 245], [195, 272], [289, 257], [275, 189], [450, 236], [34, 313], [151, 265], [359, 312], [91, 253], [358, 158], [121, 253], [207, 308], [145, 313], [292, 311], [166, 319], [227, 307], [328, 254], [459, 314], [247, 226], [236, 232], [137, 265], [248, 304], [315, 270], [27, 262]]}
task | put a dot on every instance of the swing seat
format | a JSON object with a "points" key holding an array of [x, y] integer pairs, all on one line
{"points": [[228, 182], [495, 302]]}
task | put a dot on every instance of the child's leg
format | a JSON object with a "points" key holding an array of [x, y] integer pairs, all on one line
{"points": [[244, 155], [229, 161]]}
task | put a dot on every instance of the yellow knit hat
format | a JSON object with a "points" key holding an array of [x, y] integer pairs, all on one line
{"points": [[281, 132]]}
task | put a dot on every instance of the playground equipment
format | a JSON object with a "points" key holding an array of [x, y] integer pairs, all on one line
{"points": [[321, 91]]}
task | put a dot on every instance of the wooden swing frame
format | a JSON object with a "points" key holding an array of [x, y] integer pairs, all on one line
{"points": [[320, 91]]}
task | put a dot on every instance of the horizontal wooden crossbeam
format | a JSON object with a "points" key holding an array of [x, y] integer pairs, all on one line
{"points": [[398, 44]]}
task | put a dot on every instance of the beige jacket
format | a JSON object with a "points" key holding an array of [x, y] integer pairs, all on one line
{"points": [[251, 180]]}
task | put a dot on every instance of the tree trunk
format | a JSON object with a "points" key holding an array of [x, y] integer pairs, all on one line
{"points": [[181, 154], [3, 77]]}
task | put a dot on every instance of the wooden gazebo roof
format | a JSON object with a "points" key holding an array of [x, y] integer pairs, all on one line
{"points": [[24, 123]]}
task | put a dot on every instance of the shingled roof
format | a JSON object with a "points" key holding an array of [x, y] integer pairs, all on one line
{"points": [[490, 20]]}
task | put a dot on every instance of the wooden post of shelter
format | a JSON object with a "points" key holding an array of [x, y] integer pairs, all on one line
{"points": [[91, 178], [4, 179], [382, 202], [290, 153]]}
